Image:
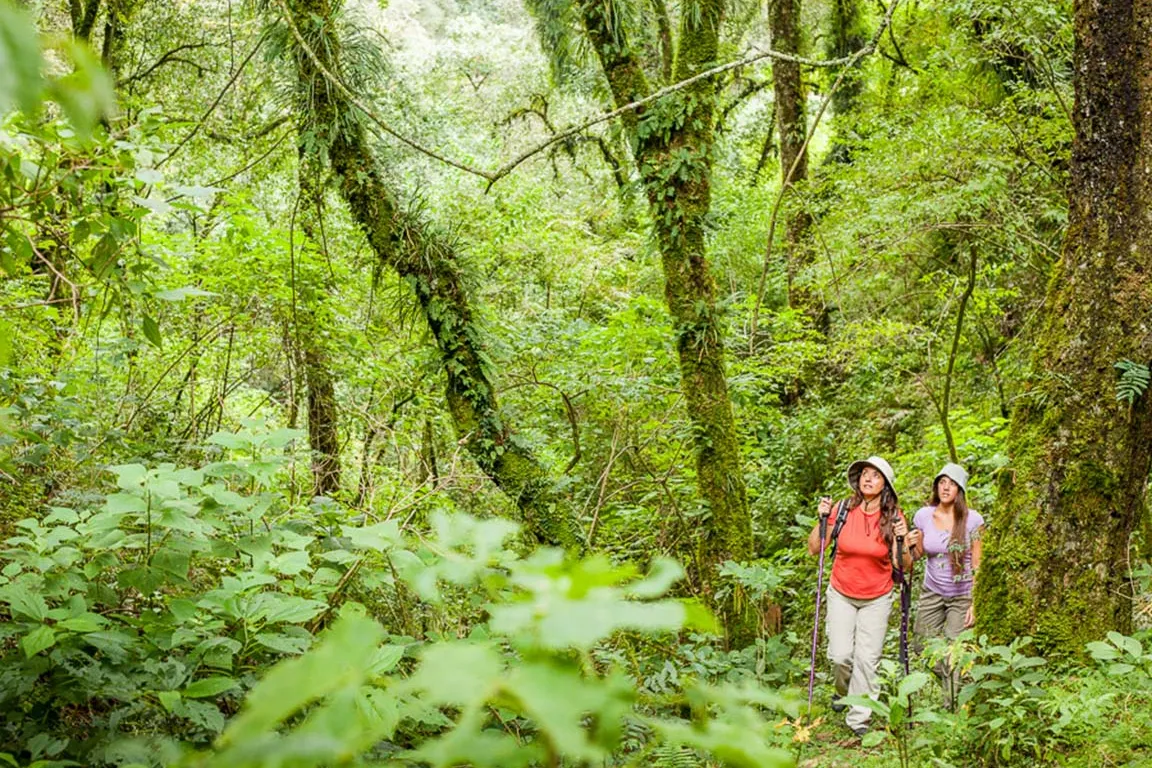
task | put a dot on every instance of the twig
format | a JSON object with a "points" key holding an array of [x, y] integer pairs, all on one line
{"points": [[952, 355], [168, 57], [346, 93], [219, 97]]}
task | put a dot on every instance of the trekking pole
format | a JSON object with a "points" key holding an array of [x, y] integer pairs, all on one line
{"points": [[905, 603], [823, 526]]}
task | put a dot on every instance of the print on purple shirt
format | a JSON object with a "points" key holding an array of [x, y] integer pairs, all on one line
{"points": [[939, 575]]}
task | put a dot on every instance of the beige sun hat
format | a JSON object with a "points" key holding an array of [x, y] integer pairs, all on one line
{"points": [[856, 467], [955, 473]]}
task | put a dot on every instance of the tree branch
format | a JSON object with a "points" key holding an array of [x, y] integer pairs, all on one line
{"points": [[219, 97], [492, 177], [952, 354], [167, 58]]}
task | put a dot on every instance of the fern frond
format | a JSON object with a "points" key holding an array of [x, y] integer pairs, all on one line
{"points": [[558, 29], [1134, 380]]}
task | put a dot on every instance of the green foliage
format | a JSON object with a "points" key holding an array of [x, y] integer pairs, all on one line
{"points": [[896, 709], [166, 577], [85, 94], [1134, 379], [163, 601]]}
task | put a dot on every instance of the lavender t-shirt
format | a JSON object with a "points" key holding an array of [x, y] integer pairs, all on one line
{"points": [[939, 575]]}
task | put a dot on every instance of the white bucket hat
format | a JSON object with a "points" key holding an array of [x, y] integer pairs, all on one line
{"points": [[856, 467], [955, 473]]}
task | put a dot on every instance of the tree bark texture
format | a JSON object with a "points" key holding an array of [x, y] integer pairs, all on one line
{"points": [[672, 144], [846, 34], [314, 116], [429, 264], [1057, 556], [116, 20], [791, 119]]}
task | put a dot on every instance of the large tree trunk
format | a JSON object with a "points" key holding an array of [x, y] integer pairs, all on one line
{"points": [[672, 143], [791, 118], [1057, 554], [846, 34], [428, 264]]}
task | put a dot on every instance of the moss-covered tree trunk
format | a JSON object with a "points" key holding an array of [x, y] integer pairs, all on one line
{"points": [[1057, 553], [429, 265], [792, 123], [317, 116], [846, 35], [672, 145]]}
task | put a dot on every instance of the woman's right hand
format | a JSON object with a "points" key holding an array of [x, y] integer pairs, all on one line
{"points": [[825, 506]]}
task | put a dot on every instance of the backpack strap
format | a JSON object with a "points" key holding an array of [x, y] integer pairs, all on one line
{"points": [[841, 518]]}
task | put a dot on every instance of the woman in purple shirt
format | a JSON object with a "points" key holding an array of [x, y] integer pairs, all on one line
{"points": [[949, 538]]}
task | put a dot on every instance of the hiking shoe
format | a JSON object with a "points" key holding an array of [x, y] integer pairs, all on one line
{"points": [[837, 705], [860, 730]]}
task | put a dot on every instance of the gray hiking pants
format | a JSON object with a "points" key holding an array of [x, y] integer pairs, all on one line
{"points": [[856, 630]]}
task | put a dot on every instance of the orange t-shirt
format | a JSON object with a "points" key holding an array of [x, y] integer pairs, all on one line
{"points": [[863, 565]]}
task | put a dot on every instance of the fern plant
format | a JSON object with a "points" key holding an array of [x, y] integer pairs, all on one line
{"points": [[1134, 379]]}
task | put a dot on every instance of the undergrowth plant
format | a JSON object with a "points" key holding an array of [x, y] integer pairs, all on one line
{"points": [[191, 617]]}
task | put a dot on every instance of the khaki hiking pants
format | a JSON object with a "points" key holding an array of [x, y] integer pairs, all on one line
{"points": [[939, 616], [856, 630]]}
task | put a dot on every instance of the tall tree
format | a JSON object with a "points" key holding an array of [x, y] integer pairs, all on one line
{"points": [[1056, 564], [672, 145], [309, 290], [427, 262], [792, 123], [846, 33]]}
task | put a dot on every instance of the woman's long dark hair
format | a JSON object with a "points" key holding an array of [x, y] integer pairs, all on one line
{"points": [[958, 542], [889, 509]]}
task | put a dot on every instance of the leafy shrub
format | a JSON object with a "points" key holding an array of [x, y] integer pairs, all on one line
{"points": [[158, 613]]}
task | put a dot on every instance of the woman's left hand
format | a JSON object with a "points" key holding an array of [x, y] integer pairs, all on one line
{"points": [[900, 528], [970, 617]]}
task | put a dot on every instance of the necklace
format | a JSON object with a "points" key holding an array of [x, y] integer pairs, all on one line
{"points": [[868, 529]]}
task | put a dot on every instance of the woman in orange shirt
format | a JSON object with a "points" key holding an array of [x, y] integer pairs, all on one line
{"points": [[860, 593]]}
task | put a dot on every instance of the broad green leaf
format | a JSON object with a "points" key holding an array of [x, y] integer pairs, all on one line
{"points": [[123, 503], [872, 738], [1102, 651], [458, 673], [381, 536], [24, 601], [340, 660], [562, 716], [20, 81], [663, 574], [291, 563], [274, 607], [179, 294], [912, 683], [1130, 645], [152, 332], [209, 686], [284, 643], [37, 640], [169, 700], [86, 93], [86, 622], [386, 659]]}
